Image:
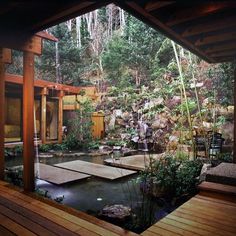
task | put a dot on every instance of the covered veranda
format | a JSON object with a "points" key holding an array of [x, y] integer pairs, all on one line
{"points": [[206, 28]]}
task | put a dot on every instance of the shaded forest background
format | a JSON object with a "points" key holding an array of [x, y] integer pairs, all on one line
{"points": [[110, 47]]}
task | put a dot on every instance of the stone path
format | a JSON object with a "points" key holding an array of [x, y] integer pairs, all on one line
{"points": [[135, 162], [102, 171], [57, 175]]}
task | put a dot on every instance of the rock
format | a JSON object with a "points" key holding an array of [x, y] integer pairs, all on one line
{"points": [[111, 124], [125, 116], [227, 131], [116, 211], [173, 102], [197, 85], [117, 113], [120, 122], [160, 122]]}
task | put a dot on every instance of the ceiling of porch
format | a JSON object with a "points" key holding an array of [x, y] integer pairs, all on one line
{"points": [[207, 28]]}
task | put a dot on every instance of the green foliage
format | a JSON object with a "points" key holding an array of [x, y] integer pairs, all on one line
{"points": [[131, 56], [172, 177], [94, 144], [80, 127], [18, 150], [115, 143], [45, 147], [15, 176], [222, 79]]}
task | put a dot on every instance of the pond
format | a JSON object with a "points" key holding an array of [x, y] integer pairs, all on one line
{"points": [[92, 194]]}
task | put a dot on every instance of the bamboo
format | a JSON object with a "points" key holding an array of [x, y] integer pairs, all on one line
{"points": [[184, 92], [2, 112]]}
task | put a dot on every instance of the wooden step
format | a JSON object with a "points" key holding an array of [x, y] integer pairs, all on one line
{"points": [[220, 191]]}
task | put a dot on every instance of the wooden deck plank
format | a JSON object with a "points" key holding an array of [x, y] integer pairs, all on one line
{"points": [[25, 222], [149, 233], [213, 209], [57, 175], [215, 201], [14, 227], [184, 226], [197, 225], [60, 217], [23, 215], [161, 231], [208, 213], [5, 232], [223, 230], [102, 171], [106, 228], [199, 216], [175, 229], [217, 220]]}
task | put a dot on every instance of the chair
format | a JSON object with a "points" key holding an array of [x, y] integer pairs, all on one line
{"points": [[215, 143]]}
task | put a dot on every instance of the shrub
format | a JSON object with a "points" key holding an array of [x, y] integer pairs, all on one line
{"points": [[171, 177], [45, 147]]}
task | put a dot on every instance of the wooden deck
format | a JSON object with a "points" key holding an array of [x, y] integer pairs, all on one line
{"points": [[199, 216], [22, 214], [26, 215]]}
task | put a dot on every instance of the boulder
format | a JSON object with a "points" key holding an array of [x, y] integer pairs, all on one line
{"points": [[116, 211]]}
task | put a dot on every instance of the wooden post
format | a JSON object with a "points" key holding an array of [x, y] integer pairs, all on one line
{"points": [[28, 121], [2, 112], [43, 115], [234, 157], [60, 116]]}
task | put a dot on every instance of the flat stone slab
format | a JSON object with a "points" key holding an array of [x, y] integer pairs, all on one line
{"points": [[135, 162], [57, 175], [225, 173], [102, 171]]}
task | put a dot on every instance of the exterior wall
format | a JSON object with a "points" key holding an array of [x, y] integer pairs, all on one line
{"points": [[98, 125]]}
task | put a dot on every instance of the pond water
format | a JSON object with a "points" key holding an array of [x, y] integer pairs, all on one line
{"points": [[92, 194]]}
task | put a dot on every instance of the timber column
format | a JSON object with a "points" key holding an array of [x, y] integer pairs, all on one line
{"points": [[43, 114], [28, 121], [234, 158], [60, 116], [2, 112]]}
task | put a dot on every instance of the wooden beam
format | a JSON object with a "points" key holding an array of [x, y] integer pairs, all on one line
{"points": [[216, 38], [7, 57], [60, 116], [45, 35], [18, 79], [43, 115], [30, 44], [199, 11], [224, 59], [225, 53], [28, 121], [211, 26], [140, 13], [220, 48], [154, 5], [2, 112], [234, 156]]}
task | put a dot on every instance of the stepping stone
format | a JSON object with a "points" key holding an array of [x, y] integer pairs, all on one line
{"points": [[102, 171], [135, 162], [57, 175], [225, 173]]}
